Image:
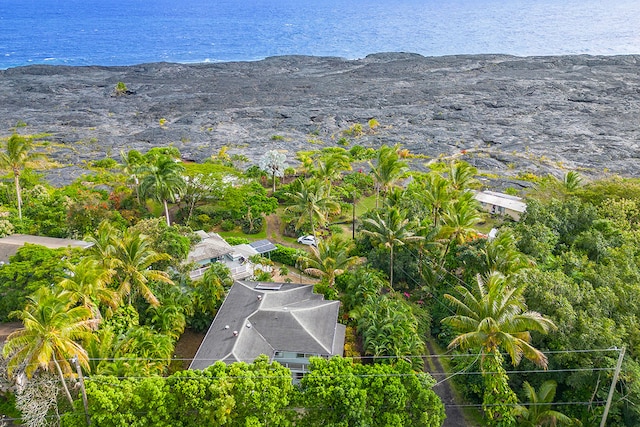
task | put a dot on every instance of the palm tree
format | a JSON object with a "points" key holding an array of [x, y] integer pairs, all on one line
{"points": [[391, 231], [50, 336], [132, 260], [436, 195], [502, 254], [329, 168], [312, 203], [388, 169], [572, 181], [163, 182], [539, 412], [493, 318], [104, 242], [330, 259], [15, 157], [132, 163], [461, 175], [86, 284], [459, 220]]}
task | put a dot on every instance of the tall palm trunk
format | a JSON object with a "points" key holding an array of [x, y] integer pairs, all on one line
{"points": [[391, 267], [166, 212], [16, 179], [313, 229], [64, 383]]}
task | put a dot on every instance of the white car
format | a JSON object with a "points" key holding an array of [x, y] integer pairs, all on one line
{"points": [[308, 240]]}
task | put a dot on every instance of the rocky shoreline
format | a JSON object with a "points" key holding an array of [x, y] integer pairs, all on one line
{"points": [[504, 114]]}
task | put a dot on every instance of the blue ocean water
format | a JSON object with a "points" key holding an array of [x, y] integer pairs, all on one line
{"points": [[125, 32]]}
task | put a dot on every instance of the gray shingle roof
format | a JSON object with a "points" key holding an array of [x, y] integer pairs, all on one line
{"points": [[290, 319]]}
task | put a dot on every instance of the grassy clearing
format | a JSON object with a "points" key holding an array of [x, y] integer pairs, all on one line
{"points": [[236, 232]]}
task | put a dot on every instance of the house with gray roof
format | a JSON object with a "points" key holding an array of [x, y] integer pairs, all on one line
{"points": [[287, 322]]}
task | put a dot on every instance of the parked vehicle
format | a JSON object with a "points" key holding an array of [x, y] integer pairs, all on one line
{"points": [[308, 240]]}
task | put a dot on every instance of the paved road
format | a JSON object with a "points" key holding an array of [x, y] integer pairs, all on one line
{"points": [[455, 416]]}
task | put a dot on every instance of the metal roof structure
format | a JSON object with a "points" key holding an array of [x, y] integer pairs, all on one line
{"points": [[253, 321], [210, 247], [263, 246], [500, 199]]}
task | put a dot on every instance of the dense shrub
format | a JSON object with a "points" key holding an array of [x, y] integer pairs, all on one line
{"points": [[227, 225], [287, 256]]}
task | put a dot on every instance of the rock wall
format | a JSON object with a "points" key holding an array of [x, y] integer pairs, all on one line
{"points": [[503, 114]]}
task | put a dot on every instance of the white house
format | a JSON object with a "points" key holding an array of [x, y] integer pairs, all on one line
{"points": [[501, 204]]}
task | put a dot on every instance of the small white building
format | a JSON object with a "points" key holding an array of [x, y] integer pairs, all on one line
{"points": [[501, 204]]}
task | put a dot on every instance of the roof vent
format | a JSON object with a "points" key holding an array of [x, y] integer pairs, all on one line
{"points": [[259, 297], [226, 326], [249, 325], [235, 333]]}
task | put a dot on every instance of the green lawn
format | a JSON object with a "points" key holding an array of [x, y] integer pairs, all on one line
{"points": [[237, 232]]}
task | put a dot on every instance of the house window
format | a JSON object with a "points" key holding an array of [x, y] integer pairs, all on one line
{"points": [[300, 355], [277, 354]]}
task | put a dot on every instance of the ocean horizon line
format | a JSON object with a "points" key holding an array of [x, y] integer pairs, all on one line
{"points": [[46, 62]]}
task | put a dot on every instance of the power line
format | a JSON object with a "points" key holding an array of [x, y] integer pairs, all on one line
{"points": [[423, 356]]}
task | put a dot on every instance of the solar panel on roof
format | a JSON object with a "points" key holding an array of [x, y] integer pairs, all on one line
{"points": [[263, 246], [268, 286]]}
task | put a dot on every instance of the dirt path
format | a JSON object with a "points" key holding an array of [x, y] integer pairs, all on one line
{"points": [[455, 416], [274, 224]]}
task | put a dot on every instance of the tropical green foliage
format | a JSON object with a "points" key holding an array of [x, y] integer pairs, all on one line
{"points": [[15, 156], [30, 269], [390, 231], [330, 259], [52, 335], [539, 412], [312, 204], [162, 181], [338, 392]]}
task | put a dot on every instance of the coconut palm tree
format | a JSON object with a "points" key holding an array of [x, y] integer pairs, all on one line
{"points": [[388, 169], [312, 203], [572, 181], [436, 195], [132, 163], [502, 254], [86, 284], [163, 181], [392, 230], [458, 222], [539, 412], [15, 157], [330, 259], [133, 258], [494, 318], [329, 167], [51, 336], [461, 175]]}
